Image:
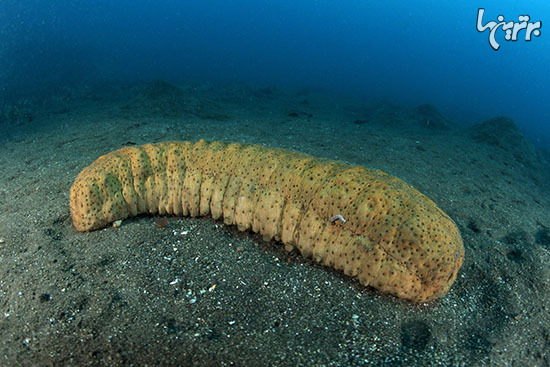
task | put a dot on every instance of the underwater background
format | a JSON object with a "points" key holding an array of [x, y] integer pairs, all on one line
{"points": [[412, 89], [411, 52]]}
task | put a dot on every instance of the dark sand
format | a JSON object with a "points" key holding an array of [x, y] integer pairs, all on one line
{"points": [[200, 293]]}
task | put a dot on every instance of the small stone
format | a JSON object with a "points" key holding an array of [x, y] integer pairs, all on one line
{"points": [[44, 297], [161, 222], [117, 223]]}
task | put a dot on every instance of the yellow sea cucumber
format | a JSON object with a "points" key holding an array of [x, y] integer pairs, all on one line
{"points": [[393, 237]]}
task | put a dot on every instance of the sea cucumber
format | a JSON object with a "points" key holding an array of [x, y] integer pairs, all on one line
{"points": [[394, 239]]}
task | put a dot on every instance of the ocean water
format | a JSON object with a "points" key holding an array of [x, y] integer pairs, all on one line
{"points": [[421, 90], [414, 52]]}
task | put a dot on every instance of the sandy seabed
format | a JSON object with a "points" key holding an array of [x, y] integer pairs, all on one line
{"points": [[197, 292]]}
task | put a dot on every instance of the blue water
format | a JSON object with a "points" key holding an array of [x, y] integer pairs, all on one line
{"points": [[411, 52]]}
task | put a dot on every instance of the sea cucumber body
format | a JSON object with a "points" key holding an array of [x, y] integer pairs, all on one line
{"points": [[394, 238]]}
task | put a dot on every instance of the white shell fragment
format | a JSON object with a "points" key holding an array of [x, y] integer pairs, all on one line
{"points": [[336, 218]]}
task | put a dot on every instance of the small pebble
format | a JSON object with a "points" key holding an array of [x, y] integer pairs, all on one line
{"points": [[161, 222], [2, 241], [117, 223]]}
